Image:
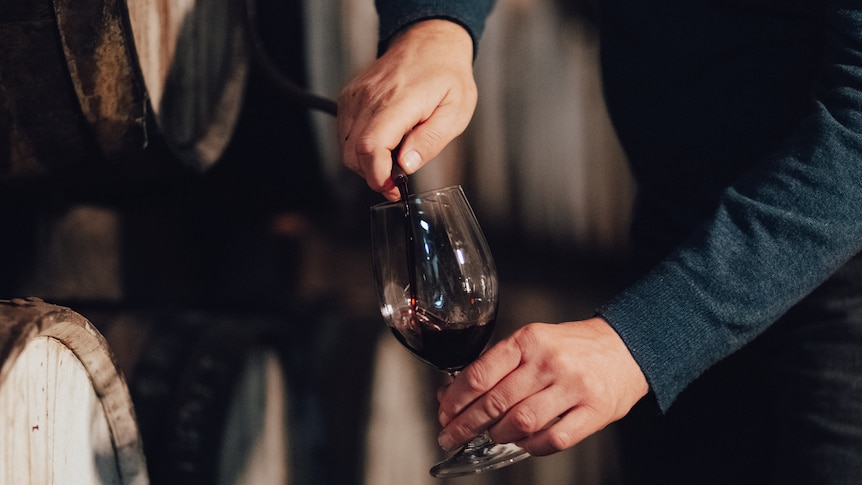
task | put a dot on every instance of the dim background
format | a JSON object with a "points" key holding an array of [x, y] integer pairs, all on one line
{"points": [[273, 240]]}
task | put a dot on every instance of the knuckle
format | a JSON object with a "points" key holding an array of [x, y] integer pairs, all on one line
{"points": [[462, 432], [558, 362], [476, 377], [433, 138], [558, 440], [524, 420], [374, 185], [494, 405], [528, 336], [365, 146]]}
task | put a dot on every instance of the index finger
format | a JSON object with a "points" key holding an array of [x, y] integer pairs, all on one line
{"points": [[373, 135], [478, 378]]}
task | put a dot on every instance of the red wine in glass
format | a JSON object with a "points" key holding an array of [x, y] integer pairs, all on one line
{"points": [[448, 348]]}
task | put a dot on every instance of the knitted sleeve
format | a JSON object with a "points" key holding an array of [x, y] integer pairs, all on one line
{"points": [[779, 231], [396, 14]]}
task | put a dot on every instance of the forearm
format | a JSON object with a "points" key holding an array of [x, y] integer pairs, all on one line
{"points": [[778, 232]]}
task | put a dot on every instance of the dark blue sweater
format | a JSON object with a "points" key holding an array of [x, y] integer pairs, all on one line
{"points": [[742, 121]]}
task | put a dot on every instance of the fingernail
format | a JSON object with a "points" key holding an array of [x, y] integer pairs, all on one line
{"points": [[411, 161], [445, 441]]}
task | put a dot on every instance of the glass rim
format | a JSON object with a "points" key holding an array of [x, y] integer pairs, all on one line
{"points": [[421, 195]]}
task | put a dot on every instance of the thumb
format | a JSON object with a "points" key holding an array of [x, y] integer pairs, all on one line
{"points": [[427, 140]]}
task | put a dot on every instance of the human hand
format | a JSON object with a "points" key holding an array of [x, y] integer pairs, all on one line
{"points": [[546, 388], [422, 87]]}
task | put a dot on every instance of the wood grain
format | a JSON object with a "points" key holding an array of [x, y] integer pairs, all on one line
{"points": [[65, 409]]}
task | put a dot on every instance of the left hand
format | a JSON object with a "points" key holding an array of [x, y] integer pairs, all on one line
{"points": [[546, 388]]}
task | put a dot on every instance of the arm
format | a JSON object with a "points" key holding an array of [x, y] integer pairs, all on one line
{"points": [[778, 232], [420, 89]]}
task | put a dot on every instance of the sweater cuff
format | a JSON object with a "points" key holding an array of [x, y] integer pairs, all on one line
{"points": [[397, 15], [667, 335]]}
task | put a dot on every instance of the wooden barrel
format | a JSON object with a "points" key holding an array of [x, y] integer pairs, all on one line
{"points": [[66, 415], [193, 59], [211, 396], [101, 80], [241, 397]]}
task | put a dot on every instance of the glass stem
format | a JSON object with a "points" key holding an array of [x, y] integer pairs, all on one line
{"points": [[478, 444]]}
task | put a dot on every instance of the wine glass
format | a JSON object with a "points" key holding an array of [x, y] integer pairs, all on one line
{"points": [[437, 289]]}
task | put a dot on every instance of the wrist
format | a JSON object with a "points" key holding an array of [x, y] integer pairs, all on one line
{"points": [[440, 32]]}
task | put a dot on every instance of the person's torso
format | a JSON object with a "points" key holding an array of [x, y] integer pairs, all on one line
{"points": [[700, 89]]}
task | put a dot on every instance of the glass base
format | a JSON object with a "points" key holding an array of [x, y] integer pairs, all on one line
{"points": [[478, 456]]}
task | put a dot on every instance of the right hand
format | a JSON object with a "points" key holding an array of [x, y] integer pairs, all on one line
{"points": [[422, 90], [546, 388]]}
